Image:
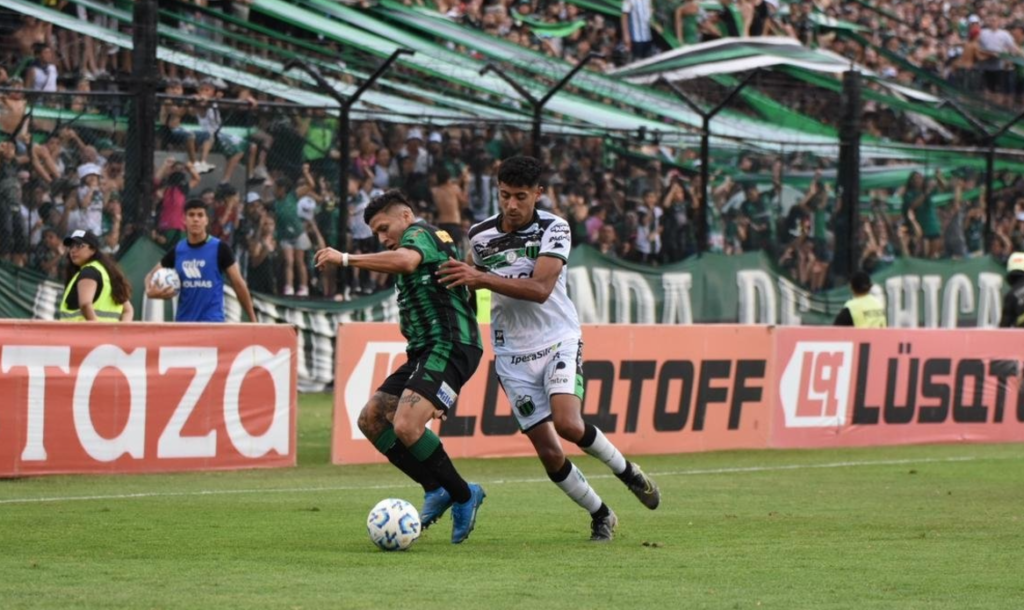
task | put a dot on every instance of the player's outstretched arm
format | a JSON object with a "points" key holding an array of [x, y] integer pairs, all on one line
{"points": [[401, 261], [536, 288]]}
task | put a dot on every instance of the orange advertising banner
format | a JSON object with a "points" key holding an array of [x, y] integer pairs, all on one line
{"points": [[650, 389], [842, 387], [122, 398]]}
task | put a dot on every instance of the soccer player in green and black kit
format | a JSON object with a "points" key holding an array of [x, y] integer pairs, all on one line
{"points": [[443, 352]]}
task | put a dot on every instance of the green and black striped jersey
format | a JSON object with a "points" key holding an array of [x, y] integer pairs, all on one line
{"points": [[428, 312]]}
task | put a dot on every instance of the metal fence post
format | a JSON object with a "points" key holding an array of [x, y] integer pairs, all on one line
{"points": [[705, 149], [141, 145], [344, 126], [538, 104], [849, 172]]}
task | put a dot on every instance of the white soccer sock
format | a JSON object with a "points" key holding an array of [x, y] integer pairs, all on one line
{"points": [[575, 486], [604, 450]]}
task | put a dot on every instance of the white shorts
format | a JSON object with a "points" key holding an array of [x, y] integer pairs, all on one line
{"points": [[302, 242], [530, 379]]}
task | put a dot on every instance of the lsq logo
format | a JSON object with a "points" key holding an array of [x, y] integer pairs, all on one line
{"points": [[815, 386]]}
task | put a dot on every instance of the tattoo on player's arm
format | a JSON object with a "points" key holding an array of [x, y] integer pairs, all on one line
{"points": [[410, 399]]}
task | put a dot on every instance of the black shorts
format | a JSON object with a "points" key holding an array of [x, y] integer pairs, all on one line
{"points": [[995, 80], [437, 373]]}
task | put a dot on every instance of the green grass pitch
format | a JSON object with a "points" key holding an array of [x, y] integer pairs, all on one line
{"points": [[915, 527]]}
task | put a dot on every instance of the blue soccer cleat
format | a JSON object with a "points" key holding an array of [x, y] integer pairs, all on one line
{"points": [[464, 513], [435, 503]]}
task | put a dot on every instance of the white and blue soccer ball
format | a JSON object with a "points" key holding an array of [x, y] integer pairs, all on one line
{"points": [[393, 525], [165, 277]]}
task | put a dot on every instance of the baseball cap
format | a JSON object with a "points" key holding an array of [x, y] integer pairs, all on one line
{"points": [[216, 83], [414, 134], [252, 197], [974, 19], [436, 137], [1016, 262], [81, 236], [88, 169]]}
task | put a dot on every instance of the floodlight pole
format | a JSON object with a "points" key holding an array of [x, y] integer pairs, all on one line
{"points": [[990, 158], [344, 127], [537, 105], [705, 149]]}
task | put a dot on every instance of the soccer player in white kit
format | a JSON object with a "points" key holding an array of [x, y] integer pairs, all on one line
{"points": [[520, 255]]}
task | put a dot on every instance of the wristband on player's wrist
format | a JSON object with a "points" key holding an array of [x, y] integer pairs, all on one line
{"points": [[344, 259]]}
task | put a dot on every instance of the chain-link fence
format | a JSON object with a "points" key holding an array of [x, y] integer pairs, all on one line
{"points": [[277, 189], [62, 167]]}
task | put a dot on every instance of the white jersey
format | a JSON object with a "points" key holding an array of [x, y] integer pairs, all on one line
{"points": [[518, 326]]}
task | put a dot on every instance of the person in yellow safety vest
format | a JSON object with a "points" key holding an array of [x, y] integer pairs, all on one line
{"points": [[96, 290], [483, 306], [1013, 302], [863, 310]]}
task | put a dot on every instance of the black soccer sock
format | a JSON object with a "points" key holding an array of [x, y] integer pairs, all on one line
{"points": [[628, 474], [387, 443], [430, 452], [602, 511]]}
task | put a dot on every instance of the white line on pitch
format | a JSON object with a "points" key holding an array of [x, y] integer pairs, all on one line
{"points": [[729, 470]]}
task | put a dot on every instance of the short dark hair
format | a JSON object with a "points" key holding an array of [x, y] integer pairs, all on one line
{"points": [[520, 171], [860, 282], [224, 191], [192, 204], [284, 182], [382, 202]]}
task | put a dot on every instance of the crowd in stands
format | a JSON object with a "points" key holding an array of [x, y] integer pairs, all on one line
{"points": [[277, 193]]}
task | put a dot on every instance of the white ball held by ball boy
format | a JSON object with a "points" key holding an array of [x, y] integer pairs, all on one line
{"points": [[166, 277]]}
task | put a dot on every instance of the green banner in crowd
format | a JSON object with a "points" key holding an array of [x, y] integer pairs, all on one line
{"points": [[715, 288], [748, 289], [550, 30]]}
